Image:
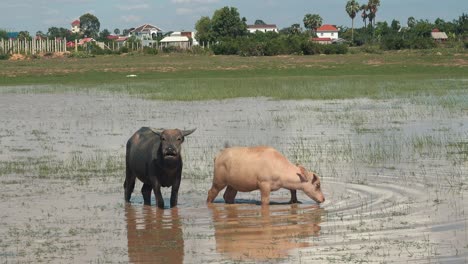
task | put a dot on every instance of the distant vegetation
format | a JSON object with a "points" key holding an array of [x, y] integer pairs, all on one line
{"points": [[226, 33]]}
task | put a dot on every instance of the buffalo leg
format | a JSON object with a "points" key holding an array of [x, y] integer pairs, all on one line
{"points": [[265, 190], [293, 197], [175, 193], [213, 192], [158, 195], [229, 195], [146, 191], [129, 185]]}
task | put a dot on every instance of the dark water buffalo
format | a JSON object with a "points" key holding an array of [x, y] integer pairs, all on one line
{"points": [[153, 156]]}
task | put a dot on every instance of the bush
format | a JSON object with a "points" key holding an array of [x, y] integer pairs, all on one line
{"points": [[335, 49], [150, 50], [4, 56], [230, 47], [123, 49], [310, 48], [80, 55], [422, 43]]}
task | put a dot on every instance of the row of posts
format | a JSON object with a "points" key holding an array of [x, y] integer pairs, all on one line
{"points": [[35, 46]]}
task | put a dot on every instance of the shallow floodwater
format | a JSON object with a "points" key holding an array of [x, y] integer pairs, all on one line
{"points": [[394, 174]]}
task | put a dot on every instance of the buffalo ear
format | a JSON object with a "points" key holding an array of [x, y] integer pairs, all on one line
{"points": [[157, 131], [314, 178], [188, 132], [302, 174]]}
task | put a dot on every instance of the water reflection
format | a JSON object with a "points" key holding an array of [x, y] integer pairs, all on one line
{"points": [[246, 232], [154, 235]]}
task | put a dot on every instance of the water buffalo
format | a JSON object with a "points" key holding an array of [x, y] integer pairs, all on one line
{"points": [[246, 169], [153, 156]]}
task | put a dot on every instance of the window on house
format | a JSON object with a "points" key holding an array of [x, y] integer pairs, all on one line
{"points": [[333, 34], [321, 34]]}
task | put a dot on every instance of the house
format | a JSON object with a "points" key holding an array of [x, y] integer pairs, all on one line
{"points": [[327, 31], [75, 26], [262, 28], [83, 41], [117, 41], [438, 36], [145, 32], [177, 39]]}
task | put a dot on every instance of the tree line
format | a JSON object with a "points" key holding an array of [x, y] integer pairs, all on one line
{"points": [[225, 32]]}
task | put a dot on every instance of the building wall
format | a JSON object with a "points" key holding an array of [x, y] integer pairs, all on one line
{"points": [[325, 34], [253, 30]]}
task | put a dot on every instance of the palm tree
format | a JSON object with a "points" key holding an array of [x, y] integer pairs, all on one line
{"points": [[312, 22], [352, 7], [364, 14], [373, 6]]}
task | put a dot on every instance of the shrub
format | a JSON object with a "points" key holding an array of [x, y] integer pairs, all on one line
{"points": [[226, 48], [4, 56], [310, 48], [123, 49], [80, 55], [150, 50]]}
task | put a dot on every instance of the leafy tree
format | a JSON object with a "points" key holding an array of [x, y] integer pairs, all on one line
{"points": [[24, 35], [312, 22], [352, 7], [204, 31], [226, 22], [89, 25], [294, 29], [411, 22], [104, 34], [55, 32], [395, 25], [41, 34], [462, 25], [117, 31], [259, 22], [3, 34]]}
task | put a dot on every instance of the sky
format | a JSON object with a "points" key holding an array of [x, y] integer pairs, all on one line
{"points": [[176, 15]]}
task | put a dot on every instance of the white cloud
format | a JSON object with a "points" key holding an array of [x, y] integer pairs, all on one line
{"points": [[131, 18], [133, 7], [189, 11]]}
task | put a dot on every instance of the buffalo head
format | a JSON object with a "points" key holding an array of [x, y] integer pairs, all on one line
{"points": [[171, 141]]}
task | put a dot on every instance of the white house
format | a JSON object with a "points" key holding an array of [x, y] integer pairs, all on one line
{"points": [[177, 39], [145, 31], [262, 28], [75, 26], [327, 31]]}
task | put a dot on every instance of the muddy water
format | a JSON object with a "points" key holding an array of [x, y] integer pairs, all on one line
{"points": [[393, 172]]}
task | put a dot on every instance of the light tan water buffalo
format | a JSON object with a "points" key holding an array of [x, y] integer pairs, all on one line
{"points": [[245, 169]]}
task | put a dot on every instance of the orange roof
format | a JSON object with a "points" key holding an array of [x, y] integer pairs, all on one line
{"points": [[76, 22], [327, 27]]}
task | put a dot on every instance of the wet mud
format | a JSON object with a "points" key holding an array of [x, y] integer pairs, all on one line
{"points": [[394, 174]]}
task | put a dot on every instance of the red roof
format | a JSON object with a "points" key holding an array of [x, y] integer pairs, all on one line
{"points": [[435, 30], [327, 27], [76, 22]]}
